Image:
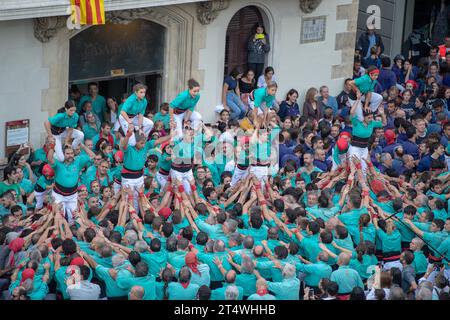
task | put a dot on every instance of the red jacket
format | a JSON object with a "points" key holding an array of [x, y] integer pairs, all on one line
{"points": [[442, 50]]}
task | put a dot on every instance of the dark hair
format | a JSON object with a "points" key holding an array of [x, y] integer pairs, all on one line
{"points": [[155, 245], [134, 257], [357, 294], [291, 92], [204, 293], [259, 25], [268, 69], [192, 83], [235, 72], [386, 62], [69, 247], [8, 171], [202, 238], [85, 272]]}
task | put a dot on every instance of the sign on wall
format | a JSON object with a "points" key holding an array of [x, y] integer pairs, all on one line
{"points": [[17, 134], [313, 29]]}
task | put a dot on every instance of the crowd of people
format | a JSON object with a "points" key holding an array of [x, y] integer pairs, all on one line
{"points": [[345, 198]]}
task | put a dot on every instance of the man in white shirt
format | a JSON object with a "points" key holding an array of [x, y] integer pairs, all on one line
{"points": [[83, 289]]}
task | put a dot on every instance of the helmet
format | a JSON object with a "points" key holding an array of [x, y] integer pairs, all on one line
{"points": [[47, 170], [342, 144], [119, 156]]}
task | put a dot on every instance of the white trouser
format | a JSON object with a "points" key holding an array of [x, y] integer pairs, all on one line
{"points": [[184, 177], [146, 123], [135, 185], [78, 137], [40, 197], [261, 174], [251, 105], [361, 154], [342, 158], [375, 102], [392, 264], [117, 187], [238, 175], [69, 203], [162, 180], [195, 118]]}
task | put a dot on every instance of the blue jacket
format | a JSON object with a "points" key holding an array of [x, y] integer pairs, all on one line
{"points": [[386, 79]]}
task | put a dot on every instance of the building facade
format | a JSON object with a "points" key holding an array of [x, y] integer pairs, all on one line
{"points": [[184, 39]]}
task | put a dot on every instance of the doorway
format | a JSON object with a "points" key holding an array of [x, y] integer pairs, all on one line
{"points": [[117, 87], [239, 31], [118, 56]]}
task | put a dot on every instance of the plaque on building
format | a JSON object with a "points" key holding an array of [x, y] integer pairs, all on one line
{"points": [[313, 29]]}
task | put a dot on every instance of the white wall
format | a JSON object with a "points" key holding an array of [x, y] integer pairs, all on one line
{"points": [[298, 66], [21, 79]]}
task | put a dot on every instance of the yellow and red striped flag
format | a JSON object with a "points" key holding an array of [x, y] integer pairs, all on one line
{"points": [[90, 12]]}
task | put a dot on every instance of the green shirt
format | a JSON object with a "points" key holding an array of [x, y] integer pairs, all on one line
{"points": [[420, 262], [125, 282], [314, 272], [40, 289], [112, 289], [5, 187], [311, 247], [208, 258], [134, 106], [155, 261], [62, 120], [365, 84], [444, 249], [247, 282], [176, 259], [347, 279], [165, 162], [67, 174], [90, 132], [261, 96], [351, 220], [43, 182], [288, 289], [260, 151], [177, 292], [390, 242], [214, 231], [361, 267], [39, 155], [435, 239], [164, 118], [361, 130], [134, 159], [185, 101]]}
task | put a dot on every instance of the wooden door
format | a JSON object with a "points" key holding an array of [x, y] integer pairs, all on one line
{"points": [[239, 31]]}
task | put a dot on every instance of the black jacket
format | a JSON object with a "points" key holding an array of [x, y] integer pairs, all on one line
{"points": [[363, 43]]}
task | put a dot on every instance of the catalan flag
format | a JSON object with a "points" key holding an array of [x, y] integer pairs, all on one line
{"points": [[90, 12]]}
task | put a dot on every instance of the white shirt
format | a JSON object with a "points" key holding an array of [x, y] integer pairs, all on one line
{"points": [[262, 81], [84, 290]]}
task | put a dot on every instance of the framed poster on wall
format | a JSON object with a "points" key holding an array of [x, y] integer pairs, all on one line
{"points": [[17, 133], [313, 29]]}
